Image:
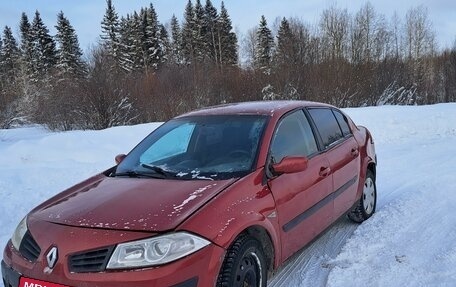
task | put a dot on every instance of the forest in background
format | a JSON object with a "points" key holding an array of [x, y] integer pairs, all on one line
{"points": [[142, 70]]}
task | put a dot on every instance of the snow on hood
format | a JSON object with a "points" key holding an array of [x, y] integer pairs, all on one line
{"points": [[129, 203]]}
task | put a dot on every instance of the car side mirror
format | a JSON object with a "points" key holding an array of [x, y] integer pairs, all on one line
{"points": [[291, 164], [119, 158]]}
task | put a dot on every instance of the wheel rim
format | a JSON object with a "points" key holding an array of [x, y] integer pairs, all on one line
{"points": [[249, 272], [369, 195]]}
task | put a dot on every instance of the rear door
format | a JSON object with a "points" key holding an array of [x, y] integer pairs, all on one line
{"points": [[302, 199], [341, 149]]}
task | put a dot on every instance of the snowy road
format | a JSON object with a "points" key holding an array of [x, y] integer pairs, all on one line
{"points": [[310, 266], [410, 241]]}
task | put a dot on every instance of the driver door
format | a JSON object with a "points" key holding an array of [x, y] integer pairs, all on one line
{"points": [[303, 201]]}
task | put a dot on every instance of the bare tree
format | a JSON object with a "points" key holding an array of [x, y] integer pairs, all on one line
{"points": [[419, 36], [363, 30], [248, 51], [370, 37], [334, 25], [107, 102], [395, 30]]}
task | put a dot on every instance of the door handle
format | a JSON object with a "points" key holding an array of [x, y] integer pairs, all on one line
{"points": [[354, 151], [325, 171]]}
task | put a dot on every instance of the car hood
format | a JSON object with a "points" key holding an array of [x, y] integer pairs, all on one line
{"points": [[129, 203]]}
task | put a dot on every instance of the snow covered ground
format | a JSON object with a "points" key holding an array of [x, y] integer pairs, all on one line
{"points": [[410, 241]]}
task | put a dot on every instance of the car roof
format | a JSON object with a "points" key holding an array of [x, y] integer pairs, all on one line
{"points": [[269, 108]]}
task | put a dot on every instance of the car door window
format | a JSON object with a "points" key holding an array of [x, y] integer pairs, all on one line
{"points": [[327, 125], [342, 120], [293, 137]]}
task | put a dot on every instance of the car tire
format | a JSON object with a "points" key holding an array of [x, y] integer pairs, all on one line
{"points": [[368, 201], [244, 264]]}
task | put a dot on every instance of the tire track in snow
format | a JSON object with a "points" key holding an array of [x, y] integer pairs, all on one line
{"points": [[309, 266]]}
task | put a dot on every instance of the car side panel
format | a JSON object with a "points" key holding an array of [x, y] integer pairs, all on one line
{"points": [[304, 204], [345, 167], [367, 154], [246, 203]]}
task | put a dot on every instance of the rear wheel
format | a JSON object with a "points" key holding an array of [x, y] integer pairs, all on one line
{"points": [[244, 265], [366, 205]]}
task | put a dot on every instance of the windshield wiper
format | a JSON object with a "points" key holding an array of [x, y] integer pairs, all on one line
{"points": [[132, 173], [158, 170]]}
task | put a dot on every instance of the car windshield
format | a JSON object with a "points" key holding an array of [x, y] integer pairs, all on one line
{"points": [[202, 147]]}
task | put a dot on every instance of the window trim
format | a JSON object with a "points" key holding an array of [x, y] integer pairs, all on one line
{"points": [[302, 109], [334, 110], [322, 147]]}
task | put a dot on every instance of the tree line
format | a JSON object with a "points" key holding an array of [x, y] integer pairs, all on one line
{"points": [[142, 70]]}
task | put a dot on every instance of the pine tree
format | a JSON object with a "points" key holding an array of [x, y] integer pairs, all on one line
{"points": [[141, 41], [9, 56], [138, 52], [194, 48], [175, 51], [131, 55], [199, 32], [264, 46], [154, 49], [227, 39], [44, 51], [164, 43], [125, 45], [187, 33], [110, 31], [26, 45], [1, 58], [285, 43], [131, 40], [2, 71], [69, 62], [211, 27], [146, 35], [138, 56]]}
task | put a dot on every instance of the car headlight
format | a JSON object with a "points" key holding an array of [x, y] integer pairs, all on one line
{"points": [[155, 250], [19, 233]]}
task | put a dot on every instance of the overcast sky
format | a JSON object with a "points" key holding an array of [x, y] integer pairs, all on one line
{"points": [[86, 15]]}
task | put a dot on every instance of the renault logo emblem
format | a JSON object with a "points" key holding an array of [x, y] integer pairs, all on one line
{"points": [[52, 257]]}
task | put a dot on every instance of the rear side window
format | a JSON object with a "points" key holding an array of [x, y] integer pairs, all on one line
{"points": [[342, 120], [293, 137], [327, 125]]}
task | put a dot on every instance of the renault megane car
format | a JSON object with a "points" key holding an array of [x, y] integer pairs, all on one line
{"points": [[216, 197]]}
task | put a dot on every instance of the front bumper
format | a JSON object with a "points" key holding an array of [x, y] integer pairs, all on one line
{"points": [[10, 276], [198, 269], [11, 279], [192, 271]]}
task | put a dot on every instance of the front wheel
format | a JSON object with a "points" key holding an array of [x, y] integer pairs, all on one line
{"points": [[366, 205], [244, 265]]}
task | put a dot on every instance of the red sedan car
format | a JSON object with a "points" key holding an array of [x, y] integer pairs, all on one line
{"points": [[216, 197]]}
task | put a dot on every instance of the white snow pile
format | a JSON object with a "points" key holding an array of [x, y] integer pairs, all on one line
{"points": [[410, 241]]}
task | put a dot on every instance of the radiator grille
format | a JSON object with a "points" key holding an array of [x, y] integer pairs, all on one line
{"points": [[29, 248], [90, 261]]}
